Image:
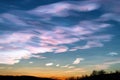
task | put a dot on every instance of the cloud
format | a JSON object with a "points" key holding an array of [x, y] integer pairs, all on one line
{"points": [[15, 37], [78, 60], [81, 70], [31, 62], [90, 44], [61, 49], [50, 9], [107, 64], [102, 67], [71, 67], [37, 50], [13, 19], [57, 39], [13, 56], [86, 6], [57, 65], [63, 8], [38, 56], [113, 54], [31, 32], [93, 41], [66, 66], [49, 64], [1, 47], [73, 49], [110, 16], [112, 62]]}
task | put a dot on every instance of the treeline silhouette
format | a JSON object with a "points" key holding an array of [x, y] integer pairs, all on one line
{"points": [[23, 78], [99, 75]]}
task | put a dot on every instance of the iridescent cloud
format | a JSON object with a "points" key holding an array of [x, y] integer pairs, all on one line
{"points": [[31, 31], [63, 8]]}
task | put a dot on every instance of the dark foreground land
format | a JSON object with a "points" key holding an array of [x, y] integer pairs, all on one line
{"points": [[95, 75], [23, 78], [99, 75]]}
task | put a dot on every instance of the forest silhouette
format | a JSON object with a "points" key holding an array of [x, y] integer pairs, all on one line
{"points": [[95, 75], [99, 75]]}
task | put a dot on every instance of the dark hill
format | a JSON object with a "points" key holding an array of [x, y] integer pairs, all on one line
{"points": [[23, 78]]}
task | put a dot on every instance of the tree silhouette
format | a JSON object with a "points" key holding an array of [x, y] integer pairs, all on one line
{"points": [[94, 73], [101, 72], [100, 75]]}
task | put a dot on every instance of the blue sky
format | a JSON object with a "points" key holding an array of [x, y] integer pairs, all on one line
{"points": [[68, 36]]}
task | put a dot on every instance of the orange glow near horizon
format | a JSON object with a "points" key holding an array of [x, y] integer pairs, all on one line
{"points": [[42, 72]]}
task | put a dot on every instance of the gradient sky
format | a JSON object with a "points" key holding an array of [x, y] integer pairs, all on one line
{"points": [[58, 37]]}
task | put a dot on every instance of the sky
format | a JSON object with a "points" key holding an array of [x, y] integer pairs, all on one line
{"points": [[52, 38]]}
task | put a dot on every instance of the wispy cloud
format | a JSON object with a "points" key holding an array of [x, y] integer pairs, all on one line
{"points": [[110, 16], [30, 62], [78, 60], [113, 54], [15, 37], [68, 66], [13, 19], [81, 70], [49, 64], [71, 67], [63, 8], [13, 56], [102, 67], [65, 66], [61, 49], [107, 64], [57, 65], [90, 44], [31, 32]]}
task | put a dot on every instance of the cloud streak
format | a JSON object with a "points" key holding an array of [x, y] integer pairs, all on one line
{"points": [[113, 54], [49, 64], [107, 64], [63, 8]]}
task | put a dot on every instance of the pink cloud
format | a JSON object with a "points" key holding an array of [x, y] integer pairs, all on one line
{"points": [[86, 6], [61, 49], [36, 50], [16, 37], [62, 8], [56, 40]]}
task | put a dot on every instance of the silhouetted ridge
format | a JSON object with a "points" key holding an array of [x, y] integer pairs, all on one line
{"points": [[23, 78]]}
